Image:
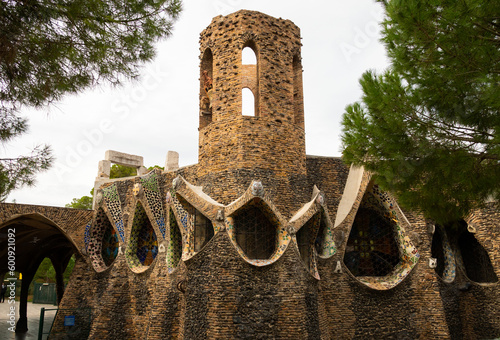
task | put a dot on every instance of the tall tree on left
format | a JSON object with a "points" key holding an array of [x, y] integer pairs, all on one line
{"points": [[49, 48]]}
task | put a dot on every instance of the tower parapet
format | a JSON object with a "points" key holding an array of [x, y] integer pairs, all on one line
{"points": [[273, 138]]}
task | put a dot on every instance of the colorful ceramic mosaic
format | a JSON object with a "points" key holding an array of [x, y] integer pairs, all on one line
{"points": [[325, 244], [114, 206], [375, 199], [448, 258], [110, 244], [153, 197], [174, 250], [314, 231], [86, 235], [143, 244], [101, 248], [201, 228], [183, 221]]}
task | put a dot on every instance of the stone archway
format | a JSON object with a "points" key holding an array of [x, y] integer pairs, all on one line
{"points": [[38, 232]]}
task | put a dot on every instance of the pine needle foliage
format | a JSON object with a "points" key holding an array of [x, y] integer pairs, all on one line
{"points": [[429, 126], [50, 48]]}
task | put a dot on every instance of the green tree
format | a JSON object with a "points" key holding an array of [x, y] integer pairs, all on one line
{"points": [[16, 172], [429, 126], [52, 48], [120, 171], [84, 202]]}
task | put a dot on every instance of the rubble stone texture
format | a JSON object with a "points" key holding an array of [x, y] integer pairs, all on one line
{"points": [[291, 290]]}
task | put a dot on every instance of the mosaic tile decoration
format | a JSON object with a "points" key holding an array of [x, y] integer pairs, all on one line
{"points": [[201, 228], [143, 244], [86, 236], [450, 266], [174, 250], [283, 237], [112, 200], [153, 197], [376, 199], [99, 243], [325, 244], [322, 237], [184, 223], [110, 244]]}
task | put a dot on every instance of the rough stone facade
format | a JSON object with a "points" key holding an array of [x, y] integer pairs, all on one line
{"points": [[202, 284]]}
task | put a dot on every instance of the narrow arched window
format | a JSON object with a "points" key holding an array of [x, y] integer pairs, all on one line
{"points": [[249, 80], [298, 98], [206, 88], [248, 56], [248, 105]]}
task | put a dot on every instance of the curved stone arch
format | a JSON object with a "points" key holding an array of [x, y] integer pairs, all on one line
{"points": [[256, 193], [131, 256], [202, 203], [314, 210], [40, 232], [35, 216], [408, 254], [69, 221]]}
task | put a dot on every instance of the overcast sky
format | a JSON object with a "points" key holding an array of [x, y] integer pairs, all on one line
{"points": [[160, 111]]}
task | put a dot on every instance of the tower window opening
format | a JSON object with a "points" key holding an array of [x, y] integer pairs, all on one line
{"points": [[249, 80], [248, 106], [248, 56], [298, 108], [206, 88]]}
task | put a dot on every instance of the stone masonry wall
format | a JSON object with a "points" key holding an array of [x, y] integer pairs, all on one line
{"points": [[222, 296]]}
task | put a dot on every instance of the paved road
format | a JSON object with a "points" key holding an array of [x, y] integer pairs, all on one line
{"points": [[33, 320]]}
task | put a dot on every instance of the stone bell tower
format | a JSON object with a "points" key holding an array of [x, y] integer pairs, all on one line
{"points": [[273, 138]]}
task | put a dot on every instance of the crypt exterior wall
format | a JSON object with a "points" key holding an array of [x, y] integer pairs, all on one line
{"points": [[218, 292]]}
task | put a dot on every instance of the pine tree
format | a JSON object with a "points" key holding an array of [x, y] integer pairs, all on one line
{"points": [[52, 48], [429, 126]]}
